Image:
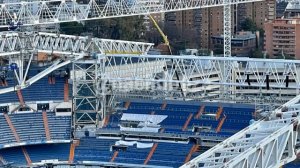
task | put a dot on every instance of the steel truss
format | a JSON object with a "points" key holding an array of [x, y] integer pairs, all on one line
{"points": [[87, 100], [22, 48], [54, 11], [266, 143], [13, 43], [194, 70]]}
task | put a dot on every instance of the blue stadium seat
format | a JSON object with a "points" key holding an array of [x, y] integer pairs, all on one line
{"points": [[39, 91], [14, 155], [30, 128], [49, 152], [237, 118]]}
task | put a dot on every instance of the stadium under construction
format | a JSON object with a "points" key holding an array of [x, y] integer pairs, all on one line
{"points": [[76, 101]]}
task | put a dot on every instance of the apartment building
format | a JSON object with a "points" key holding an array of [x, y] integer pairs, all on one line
{"points": [[282, 38], [212, 19], [242, 43]]}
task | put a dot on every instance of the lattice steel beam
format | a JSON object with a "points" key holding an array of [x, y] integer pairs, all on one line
{"points": [[24, 83], [12, 43], [49, 12], [86, 93], [21, 48], [195, 70]]}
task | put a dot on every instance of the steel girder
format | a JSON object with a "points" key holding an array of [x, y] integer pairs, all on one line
{"points": [[195, 70], [20, 48], [86, 93], [13, 43], [54, 11]]}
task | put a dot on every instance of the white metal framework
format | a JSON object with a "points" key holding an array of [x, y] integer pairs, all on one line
{"points": [[267, 143], [227, 28], [121, 68], [12, 43], [88, 102], [54, 11], [23, 48]]}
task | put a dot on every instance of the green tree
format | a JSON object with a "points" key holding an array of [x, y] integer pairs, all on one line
{"points": [[72, 28], [257, 53], [218, 49], [127, 28], [248, 25]]}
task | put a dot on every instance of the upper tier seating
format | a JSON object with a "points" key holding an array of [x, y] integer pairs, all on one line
{"points": [[39, 91], [166, 154], [237, 118], [49, 152], [6, 136], [36, 153], [30, 127]]}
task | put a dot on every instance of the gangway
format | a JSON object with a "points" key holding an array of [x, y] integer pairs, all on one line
{"points": [[270, 142]]}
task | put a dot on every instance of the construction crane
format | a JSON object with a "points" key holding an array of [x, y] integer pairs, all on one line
{"points": [[165, 37], [163, 46]]}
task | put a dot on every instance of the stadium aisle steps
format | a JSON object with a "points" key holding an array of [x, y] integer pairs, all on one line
{"points": [[164, 105], [49, 80], [72, 152], [219, 112], [218, 129], [188, 120], [190, 154], [20, 97], [127, 104], [153, 149], [27, 157], [106, 120], [46, 126], [53, 80], [12, 128], [114, 156], [66, 92], [200, 112]]}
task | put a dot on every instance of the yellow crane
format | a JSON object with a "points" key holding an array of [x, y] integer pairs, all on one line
{"points": [[167, 43], [165, 38]]}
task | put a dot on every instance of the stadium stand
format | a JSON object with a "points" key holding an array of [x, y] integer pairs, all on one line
{"points": [[230, 118], [30, 128], [6, 135], [37, 153], [14, 155], [60, 126], [50, 152], [39, 91], [93, 149]]}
